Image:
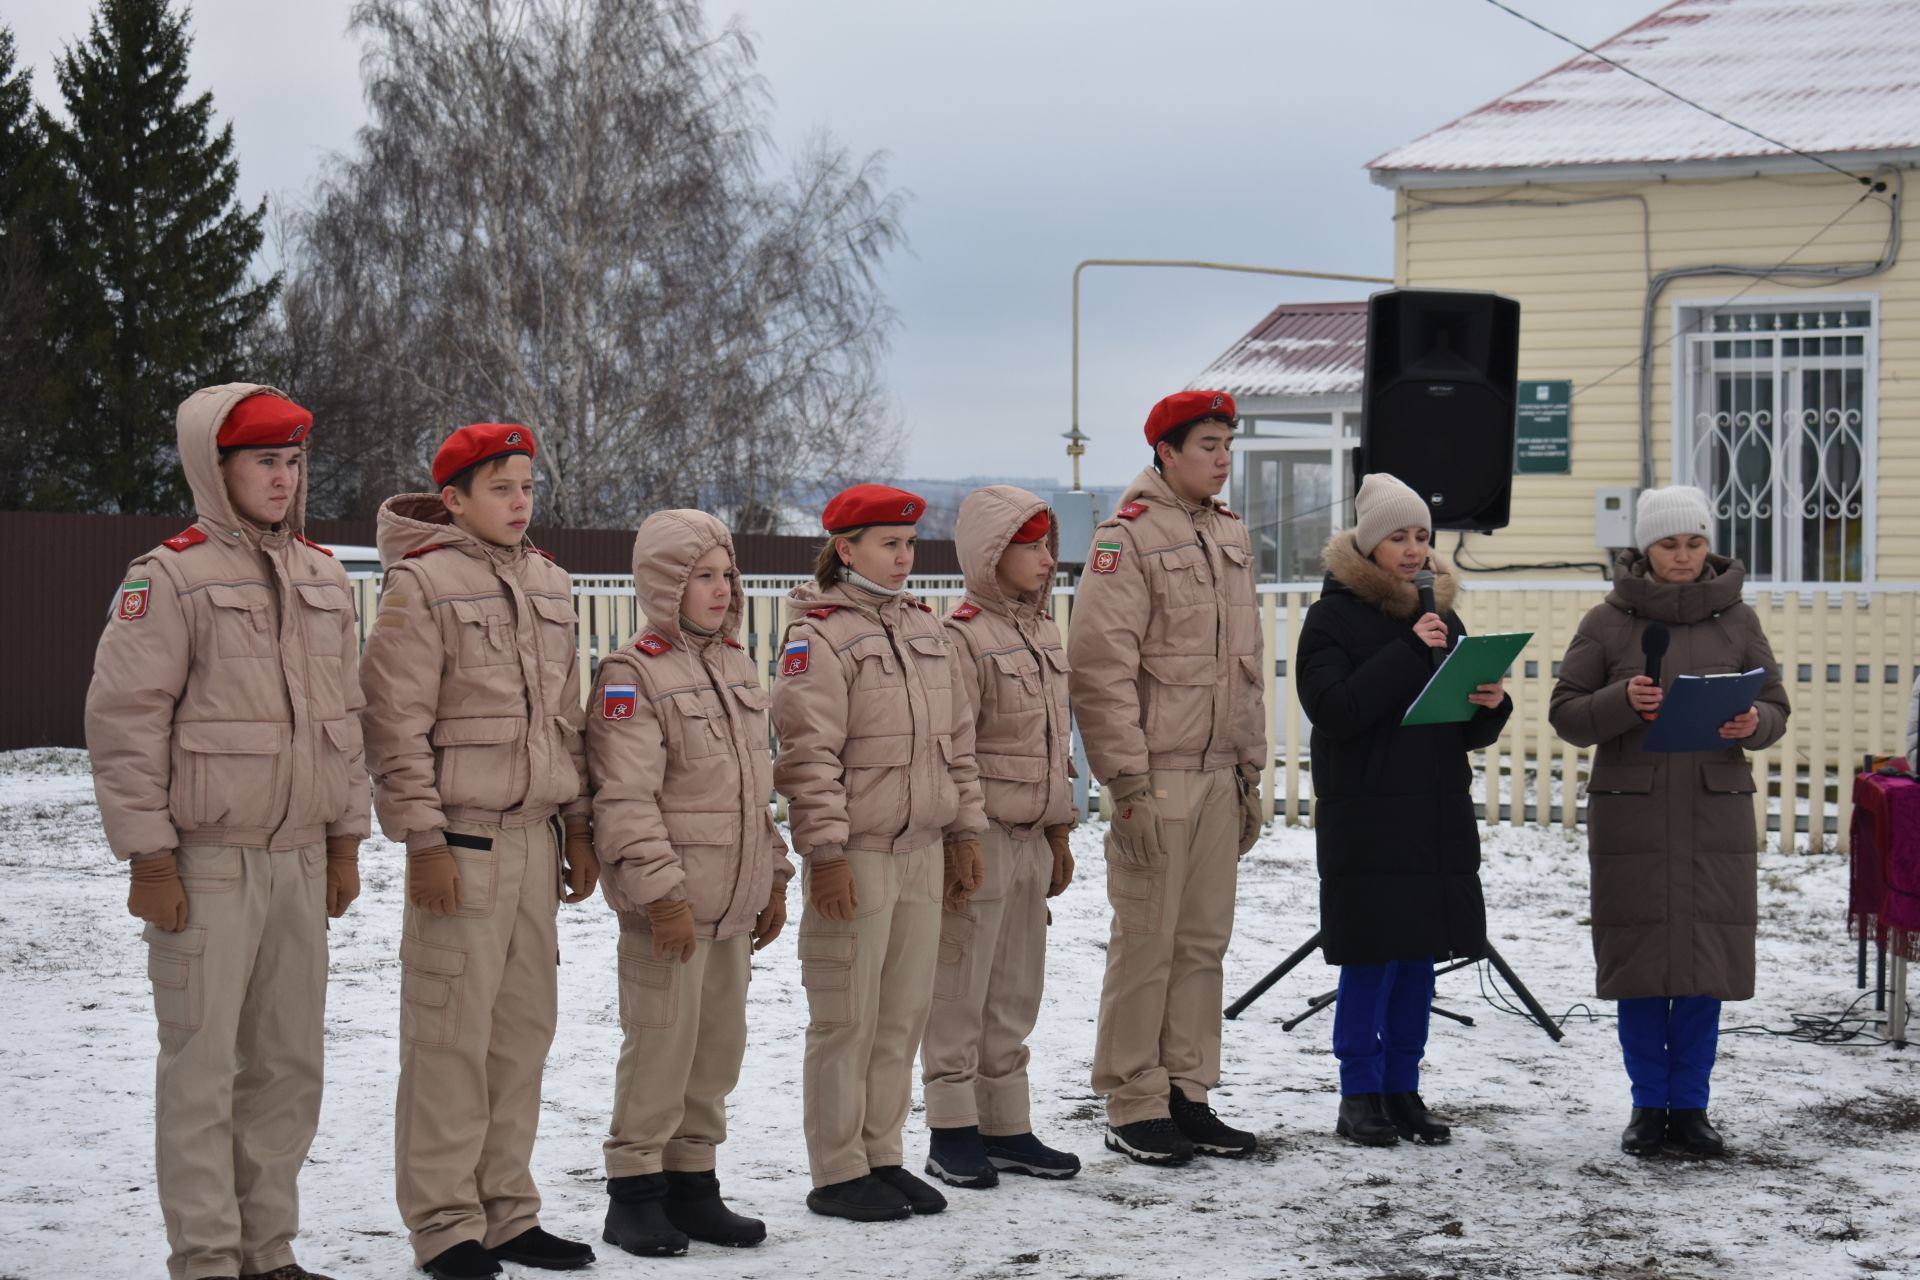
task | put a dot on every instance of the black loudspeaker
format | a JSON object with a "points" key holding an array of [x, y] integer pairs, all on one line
{"points": [[1438, 406]]}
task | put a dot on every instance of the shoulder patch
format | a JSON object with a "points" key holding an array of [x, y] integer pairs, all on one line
{"points": [[652, 644], [548, 554], [301, 537], [132, 604], [732, 643], [824, 611], [1106, 557], [967, 609], [923, 606], [1225, 510], [617, 701], [793, 659], [417, 552], [1132, 511], [180, 541]]}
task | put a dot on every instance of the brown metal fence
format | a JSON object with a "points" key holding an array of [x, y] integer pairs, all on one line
{"points": [[58, 574]]}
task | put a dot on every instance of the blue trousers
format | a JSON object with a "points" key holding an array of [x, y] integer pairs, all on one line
{"points": [[1669, 1045], [1380, 1025]]}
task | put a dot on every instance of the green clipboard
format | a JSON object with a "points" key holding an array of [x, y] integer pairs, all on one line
{"points": [[1475, 660]]}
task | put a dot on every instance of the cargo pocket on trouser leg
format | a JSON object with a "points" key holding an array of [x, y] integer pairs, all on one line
{"points": [[950, 976], [648, 996], [1136, 895], [826, 971], [430, 993], [175, 964]]}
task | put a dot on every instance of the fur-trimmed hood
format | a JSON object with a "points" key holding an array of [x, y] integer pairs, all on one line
{"points": [[1390, 593]]}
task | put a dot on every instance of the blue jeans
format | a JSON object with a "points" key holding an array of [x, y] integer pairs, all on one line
{"points": [[1669, 1045], [1380, 1025]]}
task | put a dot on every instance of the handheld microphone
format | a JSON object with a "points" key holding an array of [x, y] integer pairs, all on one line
{"points": [[1423, 583], [1653, 646]]}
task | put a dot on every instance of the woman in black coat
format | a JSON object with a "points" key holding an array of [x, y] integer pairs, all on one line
{"points": [[1398, 844]]}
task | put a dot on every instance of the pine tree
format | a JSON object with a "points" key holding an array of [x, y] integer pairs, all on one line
{"points": [[24, 174], [153, 295]]}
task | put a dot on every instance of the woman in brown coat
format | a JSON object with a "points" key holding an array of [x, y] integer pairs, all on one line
{"points": [[1671, 835]]}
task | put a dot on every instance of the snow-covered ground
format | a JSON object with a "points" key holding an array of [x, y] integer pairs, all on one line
{"points": [[1825, 1180]]}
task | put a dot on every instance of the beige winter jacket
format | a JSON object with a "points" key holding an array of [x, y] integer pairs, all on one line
{"points": [[1165, 639], [876, 735], [472, 681], [1014, 669], [224, 703], [677, 750]]}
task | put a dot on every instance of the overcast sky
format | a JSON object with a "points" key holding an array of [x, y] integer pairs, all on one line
{"points": [[1031, 135]]}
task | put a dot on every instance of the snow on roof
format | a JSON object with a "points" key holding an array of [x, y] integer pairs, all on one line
{"points": [[1300, 349], [1824, 76]]}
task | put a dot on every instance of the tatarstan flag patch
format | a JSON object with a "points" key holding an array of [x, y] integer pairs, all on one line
{"points": [[132, 605], [1106, 557], [617, 701]]}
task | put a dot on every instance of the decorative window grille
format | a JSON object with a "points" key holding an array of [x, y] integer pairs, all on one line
{"points": [[1777, 427]]}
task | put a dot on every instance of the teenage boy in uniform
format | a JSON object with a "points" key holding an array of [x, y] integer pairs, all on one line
{"points": [[474, 737], [226, 758], [1166, 684]]}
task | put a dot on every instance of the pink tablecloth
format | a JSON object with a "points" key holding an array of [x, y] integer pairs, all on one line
{"points": [[1883, 898]]}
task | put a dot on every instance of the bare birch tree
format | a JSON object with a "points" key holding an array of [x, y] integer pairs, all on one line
{"points": [[560, 215]]}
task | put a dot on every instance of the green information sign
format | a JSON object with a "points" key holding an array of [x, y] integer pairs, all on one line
{"points": [[1544, 437]]}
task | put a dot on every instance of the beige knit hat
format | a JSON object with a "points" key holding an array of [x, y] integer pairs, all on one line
{"points": [[1669, 513], [1383, 505]]}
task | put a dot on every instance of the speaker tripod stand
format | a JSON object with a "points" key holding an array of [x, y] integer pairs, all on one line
{"points": [[1315, 1004]]}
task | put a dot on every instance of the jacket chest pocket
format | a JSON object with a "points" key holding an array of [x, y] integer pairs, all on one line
{"points": [[242, 621], [699, 723], [321, 606], [754, 702], [1017, 683], [559, 630], [1181, 578], [933, 664], [485, 632], [876, 666]]}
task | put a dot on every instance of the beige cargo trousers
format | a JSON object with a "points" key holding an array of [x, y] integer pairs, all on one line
{"points": [[1172, 918], [240, 996], [479, 997]]}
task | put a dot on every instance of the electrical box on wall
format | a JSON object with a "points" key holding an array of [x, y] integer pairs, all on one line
{"points": [[1613, 517], [1076, 512]]}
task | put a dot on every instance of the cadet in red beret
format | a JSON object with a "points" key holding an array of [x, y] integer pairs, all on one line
{"points": [[482, 442], [264, 421], [871, 504]]}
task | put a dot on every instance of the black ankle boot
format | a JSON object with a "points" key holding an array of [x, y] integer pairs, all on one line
{"points": [[1204, 1128], [637, 1217], [1363, 1119], [1646, 1127], [468, 1260], [1689, 1130], [1413, 1121], [958, 1157], [694, 1206], [541, 1249]]}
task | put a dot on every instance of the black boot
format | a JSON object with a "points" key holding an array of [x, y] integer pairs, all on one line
{"points": [[1413, 1121], [694, 1206], [921, 1197], [958, 1158], [537, 1247], [864, 1199], [1205, 1130], [637, 1217], [1645, 1129], [1154, 1141], [1024, 1153], [1363, 1119], [291, 1271], [468, 1260], [1690, 1131]]}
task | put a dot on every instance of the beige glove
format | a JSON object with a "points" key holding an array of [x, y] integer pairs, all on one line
{"points": [[672, 928], [433, 881], [830, 888], [1136, 822], [771, 920], [343, 873], [583, 868], [1062, 860], [1252, 815], [154, 893], [964, 869]]}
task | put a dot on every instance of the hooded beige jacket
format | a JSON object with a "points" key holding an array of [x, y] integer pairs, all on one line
{"points": [[1014, 669], [677, 751], [472, 680], [876, 734], [223, 708], [1165, 639]]}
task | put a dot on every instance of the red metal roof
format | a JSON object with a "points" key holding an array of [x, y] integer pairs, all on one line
{"points": [[1300, 349]]}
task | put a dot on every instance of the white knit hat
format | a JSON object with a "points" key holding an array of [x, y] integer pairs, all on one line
{"points": [[1671, 512], [1383, 505]]}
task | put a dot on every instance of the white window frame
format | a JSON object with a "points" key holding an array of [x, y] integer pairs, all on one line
{"points": [[1685, 312]]}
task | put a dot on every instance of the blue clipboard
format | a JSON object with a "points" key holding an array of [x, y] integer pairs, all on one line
{"points": [[1696, 706]]}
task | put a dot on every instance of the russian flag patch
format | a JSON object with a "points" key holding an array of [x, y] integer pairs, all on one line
{"points": [[617, 701], [793, 660]]}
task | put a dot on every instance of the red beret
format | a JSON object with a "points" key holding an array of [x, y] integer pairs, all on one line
{"points": [[481, 442], [264, 421], [866, 504], [1182, 407], [1036, 528]]}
